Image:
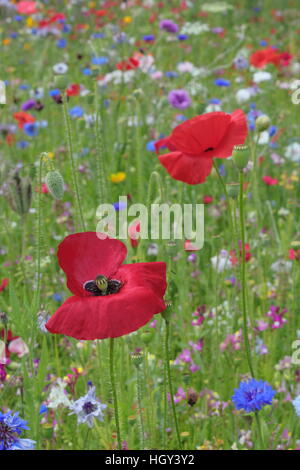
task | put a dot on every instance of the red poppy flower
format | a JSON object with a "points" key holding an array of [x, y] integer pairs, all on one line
{"points": [[4, 283], [23, 118], [73, 90], [195, 143], [110, 299], [128, 64], [265, 56]]}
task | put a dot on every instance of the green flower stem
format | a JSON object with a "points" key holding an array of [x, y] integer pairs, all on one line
{"points": [[73, 169], [260, 434], [167, 360], [226, 194], [140, 409], [113, 386], [243, 276]]}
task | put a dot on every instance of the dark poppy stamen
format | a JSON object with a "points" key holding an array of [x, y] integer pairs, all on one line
{"points": [[209, 149], [102, 286]]}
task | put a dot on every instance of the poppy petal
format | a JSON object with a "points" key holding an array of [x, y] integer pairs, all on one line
{"points": [[235, 135], [200, 133], [190, 170], [83, 256], [105, 317], [149, 275]]}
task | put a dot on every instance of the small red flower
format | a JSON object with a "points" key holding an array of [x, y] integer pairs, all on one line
{"points": [[73, 90], [133, 293], [4, 283], [270, 181], [263, 57], [195, 143], [128, 64], [23, 118]]}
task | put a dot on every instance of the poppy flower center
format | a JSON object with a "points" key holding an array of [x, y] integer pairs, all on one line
{"points": [[102, 286], [209, 149]]}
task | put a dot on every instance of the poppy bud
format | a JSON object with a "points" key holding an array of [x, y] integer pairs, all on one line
{"points": [[240, 156], [18, 194], [233, 190], [55, 184], [137, 359], [192, 397], [262, 123]]}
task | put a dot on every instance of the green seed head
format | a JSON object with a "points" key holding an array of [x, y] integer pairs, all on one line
{"points": [[240, 156]]}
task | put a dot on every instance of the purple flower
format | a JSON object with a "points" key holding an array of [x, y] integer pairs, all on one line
{"points": [[169, 26], [179, 99], [28, 105]]}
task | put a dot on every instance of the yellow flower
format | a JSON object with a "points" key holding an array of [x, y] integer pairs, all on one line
{"points": [[50, 155], [92, 4], [29, 22], [117, 177], [127, 19], [6, 42], [26, 46]]}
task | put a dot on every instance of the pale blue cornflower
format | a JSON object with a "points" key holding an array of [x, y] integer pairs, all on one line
{"points": [[87, 408]]}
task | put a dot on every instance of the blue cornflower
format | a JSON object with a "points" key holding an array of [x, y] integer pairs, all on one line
{"points": [[61, 43], [99, 60], [150, 146], [119, 206], [182, 37], [87, 408], [11, 428], [171, 74], [87, 71], [149, 37], [253, 395], [31, 129], [222, 82], [296, 404], [76, 112]]}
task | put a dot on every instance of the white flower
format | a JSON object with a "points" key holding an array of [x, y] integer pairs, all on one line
{"points": [[296, 404], [221, 261], [292, 152], [60, 68], [263, 138], [58, 396], [212, 107], [281, 266], [185, 67], [261, 76], [194, 28]]}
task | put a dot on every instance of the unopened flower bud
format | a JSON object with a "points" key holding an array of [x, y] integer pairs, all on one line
{"points": [[18, 194], [137, 358], [55, 184], [147, 336], [262, 123], [240, 156]]}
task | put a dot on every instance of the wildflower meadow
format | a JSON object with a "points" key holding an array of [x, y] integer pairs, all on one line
{"points": [[150, 237]]}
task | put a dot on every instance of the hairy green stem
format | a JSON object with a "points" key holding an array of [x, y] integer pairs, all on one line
{"points": [[167, 360], [114, 391], [243, 276]]}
